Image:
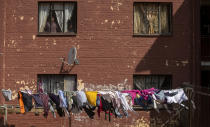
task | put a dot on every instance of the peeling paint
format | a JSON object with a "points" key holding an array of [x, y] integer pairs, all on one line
{"points": [[89, 86], [34, 37], [166, 63], [78, 47], [80, 85], [184, 62], [111, 8], [12, 44], [113, 22], [140, 123], [134, 53], [116, 5], [78, 117], [32, 18], [21, 17], [25, 85]]}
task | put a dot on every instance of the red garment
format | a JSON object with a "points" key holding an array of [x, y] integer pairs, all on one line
{"points": [[100, 106]]}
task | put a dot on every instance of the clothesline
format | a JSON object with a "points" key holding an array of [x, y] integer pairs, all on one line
{"points": [[110, 102]]}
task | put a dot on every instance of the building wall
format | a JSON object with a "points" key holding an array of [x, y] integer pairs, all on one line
{"points": [[108, 52]]}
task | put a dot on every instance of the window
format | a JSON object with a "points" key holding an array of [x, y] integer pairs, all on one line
{"points": [[57, 17], [152, 18], [149, 81], [51, 83]]}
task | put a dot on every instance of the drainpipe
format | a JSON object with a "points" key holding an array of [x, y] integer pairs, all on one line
{"points": [[3, 59]]}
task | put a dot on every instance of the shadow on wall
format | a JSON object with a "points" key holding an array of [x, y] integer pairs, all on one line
{"points": [[170, 54]]}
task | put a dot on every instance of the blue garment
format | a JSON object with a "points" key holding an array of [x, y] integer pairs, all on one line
{"points": [[62, 98], [142, 102], [98, 101], [63, 102], [38, 100]]}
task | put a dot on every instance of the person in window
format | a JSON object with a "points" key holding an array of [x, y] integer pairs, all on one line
{"points": [[54, 25]]}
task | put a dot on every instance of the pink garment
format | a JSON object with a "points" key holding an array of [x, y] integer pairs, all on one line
{"points": [[143, 93], [132, 93], [147, 92]]}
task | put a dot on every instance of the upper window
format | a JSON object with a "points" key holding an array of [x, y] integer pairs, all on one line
{"points": [[51, 83], [148, 81], [57, 17], [152, 18]]}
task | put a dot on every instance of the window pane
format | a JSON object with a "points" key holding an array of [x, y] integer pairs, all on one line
{"points": [[44, 9], [146, 18], [164, 16], [53, 83], [149, 81], [69, 83], [139, 82], [151, 18], [57, 6], [69, 17], [57, 21]]}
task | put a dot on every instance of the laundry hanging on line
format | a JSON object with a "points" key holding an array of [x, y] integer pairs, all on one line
{"points": [[116, 103]]}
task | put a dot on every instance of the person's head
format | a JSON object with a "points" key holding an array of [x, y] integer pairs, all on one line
{"points": [[53, 19]]}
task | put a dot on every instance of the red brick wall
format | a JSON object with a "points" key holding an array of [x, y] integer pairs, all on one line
{"points": [[109, 55]]}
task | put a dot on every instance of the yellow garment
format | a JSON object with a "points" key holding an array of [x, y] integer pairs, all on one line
{"points": [[91, 97], [138, 96]]}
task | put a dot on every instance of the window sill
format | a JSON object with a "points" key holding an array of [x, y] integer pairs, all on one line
{"points": [[152, 35], [149, 108], [56, 34]]}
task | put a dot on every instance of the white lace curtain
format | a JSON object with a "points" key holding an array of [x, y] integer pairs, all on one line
{"points": [[151, 18], [59, 14], [44, 11], [43, 14], [145, 82], [68, 8]]}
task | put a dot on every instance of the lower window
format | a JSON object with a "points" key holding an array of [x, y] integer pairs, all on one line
{"points": [[148, 81], [51, 83]]}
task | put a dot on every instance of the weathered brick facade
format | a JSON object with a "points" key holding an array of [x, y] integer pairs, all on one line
{"points": [[108, 52]]}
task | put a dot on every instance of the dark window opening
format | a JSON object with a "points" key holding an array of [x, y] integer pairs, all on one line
{"points": [[148, 81], [205, 76]]}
